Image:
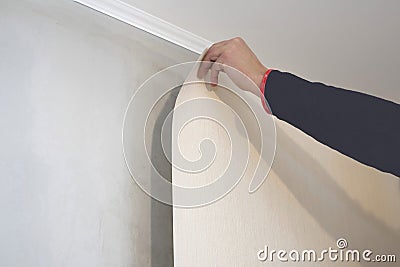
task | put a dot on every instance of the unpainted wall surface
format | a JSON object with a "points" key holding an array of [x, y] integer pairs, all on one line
{"points": [[67, 74]]}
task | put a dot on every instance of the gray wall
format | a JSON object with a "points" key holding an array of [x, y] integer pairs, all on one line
{"points": [[66, 197]]}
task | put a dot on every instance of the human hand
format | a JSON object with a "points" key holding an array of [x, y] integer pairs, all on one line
{"points": [[234, 56]]}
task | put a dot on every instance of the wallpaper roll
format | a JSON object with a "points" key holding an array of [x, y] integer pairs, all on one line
{"points": [[315, 204]]}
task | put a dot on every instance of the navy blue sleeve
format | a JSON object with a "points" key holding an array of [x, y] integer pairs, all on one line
{"points": [[361, 126]]}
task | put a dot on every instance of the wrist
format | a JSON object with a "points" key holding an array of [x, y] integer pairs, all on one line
{"points": [[258, 80]]}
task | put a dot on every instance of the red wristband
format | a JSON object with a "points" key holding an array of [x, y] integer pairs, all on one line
{"points": [[262, 89]]}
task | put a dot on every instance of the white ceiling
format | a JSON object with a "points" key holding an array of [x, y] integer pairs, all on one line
{"points": [[347, 43]]}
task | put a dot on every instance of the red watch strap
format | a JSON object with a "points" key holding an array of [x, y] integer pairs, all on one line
{"points": [[262, 89]]}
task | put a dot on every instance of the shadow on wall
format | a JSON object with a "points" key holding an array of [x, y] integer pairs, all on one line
{"points": [[319, 193], [161, 214], [334, 209]]}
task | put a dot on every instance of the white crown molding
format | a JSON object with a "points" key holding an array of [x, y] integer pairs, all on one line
{"points": [[149, 23]]}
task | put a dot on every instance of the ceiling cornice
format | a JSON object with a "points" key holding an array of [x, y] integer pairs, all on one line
{"points": [[149, 23]]}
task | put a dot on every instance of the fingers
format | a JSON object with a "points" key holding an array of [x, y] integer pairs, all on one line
{"points": [[212, 55], [215, 69], [203, 69], [214, 51]]}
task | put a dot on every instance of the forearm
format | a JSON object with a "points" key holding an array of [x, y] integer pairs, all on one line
{"points": [[360, 126]]}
